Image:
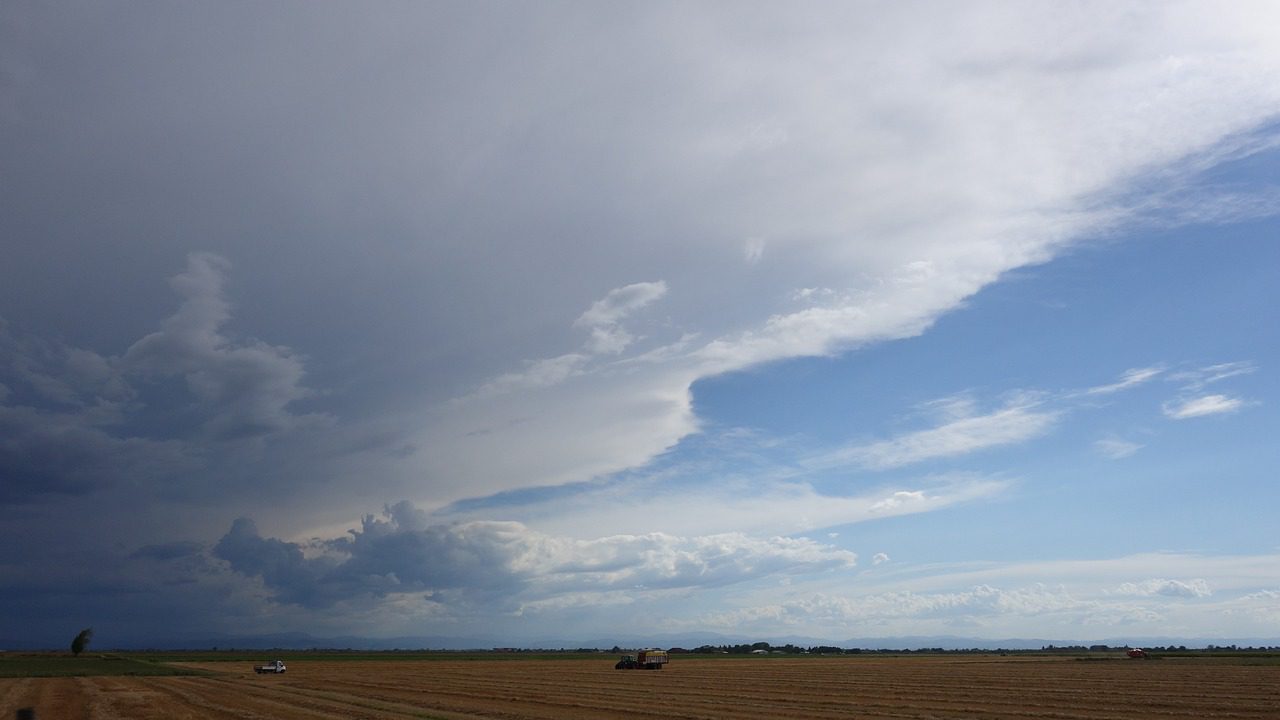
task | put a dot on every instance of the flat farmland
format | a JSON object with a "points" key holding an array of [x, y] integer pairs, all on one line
{"points": [[691, 687]]}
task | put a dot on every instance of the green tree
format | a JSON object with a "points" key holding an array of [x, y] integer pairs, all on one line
{"points": [[82, 641]]}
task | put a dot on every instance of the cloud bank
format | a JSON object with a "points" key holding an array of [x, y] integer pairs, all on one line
{"points": [[505, 563], [480, 262]]}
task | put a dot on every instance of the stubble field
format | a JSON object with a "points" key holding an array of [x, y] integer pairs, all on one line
{"points": [[694, 687]]}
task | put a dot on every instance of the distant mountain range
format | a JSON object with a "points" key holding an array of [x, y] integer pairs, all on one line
{"points": [[303, 641]]}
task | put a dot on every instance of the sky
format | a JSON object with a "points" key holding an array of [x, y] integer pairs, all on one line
{"points": [[560, 320]]}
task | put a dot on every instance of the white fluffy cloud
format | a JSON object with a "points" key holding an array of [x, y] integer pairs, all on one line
{"points": [[1130, 378], [1009, 425], [604, 318], [1201, 406], [1195, 402], [1197, 379], [863, 610], [1195, 588]]}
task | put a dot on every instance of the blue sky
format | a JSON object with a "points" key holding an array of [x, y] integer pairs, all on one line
{"points": [[575, 320]]}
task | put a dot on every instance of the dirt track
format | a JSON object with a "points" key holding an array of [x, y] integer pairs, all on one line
{"points": [[867, 687]]}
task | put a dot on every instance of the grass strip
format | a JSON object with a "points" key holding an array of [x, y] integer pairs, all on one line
{"points": [[18, 665]]}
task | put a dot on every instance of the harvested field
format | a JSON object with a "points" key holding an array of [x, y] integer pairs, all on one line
{"points": [[693, 687]]}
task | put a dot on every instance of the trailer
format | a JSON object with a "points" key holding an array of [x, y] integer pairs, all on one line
{"points": [[643, 660], [274, 667]]}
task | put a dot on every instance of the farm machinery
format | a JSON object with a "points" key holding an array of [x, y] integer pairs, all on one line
{"points": [[643, 660]]}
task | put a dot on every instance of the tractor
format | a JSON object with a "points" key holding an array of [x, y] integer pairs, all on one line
{"points": [[643, 660]]}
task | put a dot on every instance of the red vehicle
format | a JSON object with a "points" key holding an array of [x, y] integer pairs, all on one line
{"points": [[1137, 653]]}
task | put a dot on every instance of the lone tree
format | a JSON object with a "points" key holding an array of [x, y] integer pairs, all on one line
{"points": [[82, 641]]}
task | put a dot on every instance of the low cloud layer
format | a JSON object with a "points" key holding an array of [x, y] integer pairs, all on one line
{"points": [[1171, 588], [505, 563], [1081, 600]]}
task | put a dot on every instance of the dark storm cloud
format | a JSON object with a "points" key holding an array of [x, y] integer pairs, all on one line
{"points": [[169, 551], [243, 390], [73, 421], [281, 565], [167, 590], [42, 370], [46, 453], [467, 563], [60, 414]]}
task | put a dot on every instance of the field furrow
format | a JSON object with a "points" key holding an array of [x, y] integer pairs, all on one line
{"points": [[693, 688]]}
